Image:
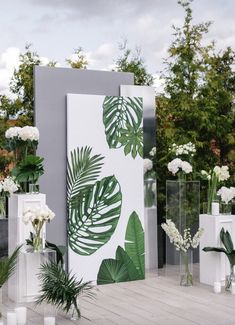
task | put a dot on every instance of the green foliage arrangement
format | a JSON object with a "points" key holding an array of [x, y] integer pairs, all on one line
{"points": [[62, 289], [228, 249], [29, 170]]}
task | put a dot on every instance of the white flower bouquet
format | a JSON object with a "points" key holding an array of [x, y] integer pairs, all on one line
{"points": [[37, 217], [8, 186], [187, 149], [22, 140], [214, 177], [226, 194], [179, 166]]}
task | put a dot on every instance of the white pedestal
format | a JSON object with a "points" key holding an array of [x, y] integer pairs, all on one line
{"points": [[150, 235], [18, 232], [214, 266]]}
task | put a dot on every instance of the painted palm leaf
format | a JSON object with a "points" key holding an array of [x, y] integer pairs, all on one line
{"points": [[112, 271], [134, 243], [123, 257], [82, 169], [132, 140], [93, 216], [119, 114]]}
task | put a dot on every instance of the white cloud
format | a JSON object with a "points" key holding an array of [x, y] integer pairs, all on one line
{"points": [[102, 57], [9, 60]]}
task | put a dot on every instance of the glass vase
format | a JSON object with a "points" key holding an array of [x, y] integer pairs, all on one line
{"points": [[186, 269], [73, 313], [226, 208], [149, 192], [2, 207], [229, 279], [33, 188], [37, 242]]}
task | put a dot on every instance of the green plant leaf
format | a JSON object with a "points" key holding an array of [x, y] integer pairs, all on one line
{"points": [[93, 216], [60, 288], [82, 170], [226, 240], [122, 117], [134, 243], [215, 249], [8, 265], [112, 271], [29, 170], [123, 257]]}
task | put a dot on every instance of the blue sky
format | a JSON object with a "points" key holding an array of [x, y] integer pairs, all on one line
{"points": [[57, 27]]}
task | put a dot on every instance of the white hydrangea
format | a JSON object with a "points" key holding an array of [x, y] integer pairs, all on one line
{"points": [[33, 215], [153, 151], [176, 164], [148, 165], [226, 194], [8, 185], [28, 133], [12, 132], [182, 243]]}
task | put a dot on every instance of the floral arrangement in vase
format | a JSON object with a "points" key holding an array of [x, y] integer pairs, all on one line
{"points": [[183, 243], [22, 141], [150, 179], [28, 167], [226, 194], [37, 217], [214, 177], [8, 186]]}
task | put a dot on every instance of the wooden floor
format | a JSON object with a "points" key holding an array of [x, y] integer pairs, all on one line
{"points": [[156, 300]]}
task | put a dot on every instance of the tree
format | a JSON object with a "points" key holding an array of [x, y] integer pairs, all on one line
{"points": [[79, 60], [133, 62], [198, 99]]}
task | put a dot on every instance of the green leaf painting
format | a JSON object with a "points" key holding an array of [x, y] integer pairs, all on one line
{"points": [[129, 263], [122, 118], [94, 207], [112, 271], [82, 169], [134, 242]]}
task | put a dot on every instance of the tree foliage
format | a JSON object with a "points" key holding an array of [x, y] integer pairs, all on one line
{"points": [[197, 104], [79, 60], [130, 61]]}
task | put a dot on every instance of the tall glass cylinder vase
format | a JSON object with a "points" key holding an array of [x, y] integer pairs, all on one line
{"points": [[186, 268], [2, 207], [149, 192], [183, 208]]}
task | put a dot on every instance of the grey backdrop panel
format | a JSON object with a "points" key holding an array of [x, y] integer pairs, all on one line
{"points": [[50, 87]]}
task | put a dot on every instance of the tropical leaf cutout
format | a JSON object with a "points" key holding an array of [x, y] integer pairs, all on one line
{"points": [[134, 243], [122, 118], [93, 215], [112, 271], [82, 169], [122, 256]]}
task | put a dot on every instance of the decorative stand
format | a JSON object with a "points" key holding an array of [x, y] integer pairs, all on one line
{"points": [[183, 208], [24, 285], [214, 266], [25, 276], [18, 232], [150, 226]]}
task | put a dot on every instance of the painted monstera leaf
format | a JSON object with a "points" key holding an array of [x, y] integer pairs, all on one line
{"points": [[112, 271], [93, 215], [82, 169], [134, 243], [122, 118]]}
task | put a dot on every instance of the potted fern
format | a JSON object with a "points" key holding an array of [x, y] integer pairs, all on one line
{"points": [[7, 268], [62, 289]]}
